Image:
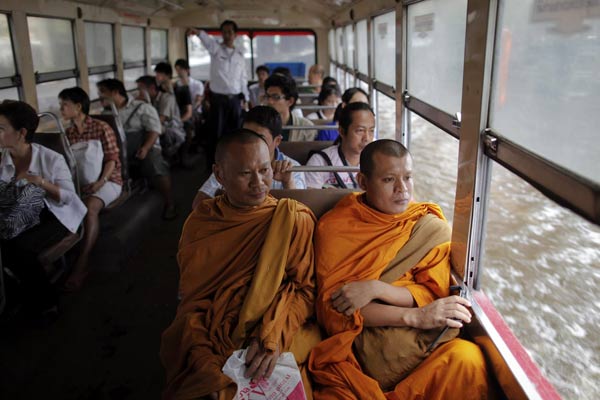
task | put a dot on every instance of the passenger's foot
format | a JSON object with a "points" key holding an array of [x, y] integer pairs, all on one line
{"points": [[169, 213], [74, 282]]}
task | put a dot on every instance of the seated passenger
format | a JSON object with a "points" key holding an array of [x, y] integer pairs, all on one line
{"points": [[329, 81], [282, 94], [328, 96], [257, 90], [162, 98], [142, 129], [265, 121], [357, 128], [183, 96], [51, 210], [195, 86], [246, 278], [384, 294], [352, 95], [75, 107], [315, 76]]}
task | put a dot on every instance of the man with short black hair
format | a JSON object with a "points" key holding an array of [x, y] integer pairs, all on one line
{"points": [[165, 104], [142, 128], [257, 90], [281, 93], [228, 78]]}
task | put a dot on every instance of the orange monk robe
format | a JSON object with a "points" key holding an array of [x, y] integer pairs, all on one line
{"points": [[353, 243], [219, 249]]}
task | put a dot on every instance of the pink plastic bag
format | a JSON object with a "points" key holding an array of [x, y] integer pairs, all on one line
{"points": [[285, 383]]}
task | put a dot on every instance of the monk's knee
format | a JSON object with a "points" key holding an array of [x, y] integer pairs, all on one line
{"points": [[466, 356]]}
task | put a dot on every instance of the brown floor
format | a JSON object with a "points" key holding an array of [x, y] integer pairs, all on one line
{"points": [[105, 344]]}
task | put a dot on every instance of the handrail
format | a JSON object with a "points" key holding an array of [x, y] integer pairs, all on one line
{"points": [[324, 168], [308, 127], [308, 95], [70, 158], [314, 107]]}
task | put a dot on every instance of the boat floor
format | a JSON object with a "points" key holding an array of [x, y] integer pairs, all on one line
{"points": [[106, 341]]}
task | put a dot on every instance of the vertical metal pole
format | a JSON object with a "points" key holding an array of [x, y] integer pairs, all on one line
{"points": [[473, 171]]}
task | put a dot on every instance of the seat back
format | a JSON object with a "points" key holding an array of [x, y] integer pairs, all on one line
{"points": [[57, 140], [318, 200], [299, 150], [115, 123]]}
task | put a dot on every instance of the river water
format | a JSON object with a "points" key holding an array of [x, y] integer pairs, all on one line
{"points": [[541, 266]]}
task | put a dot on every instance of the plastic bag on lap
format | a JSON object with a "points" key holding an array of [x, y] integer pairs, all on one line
{"points": [[285, 383]]}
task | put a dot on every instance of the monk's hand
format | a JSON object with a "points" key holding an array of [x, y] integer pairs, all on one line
{"points": [[260, 362], [449, 311], [353, 296], [282, 172]]}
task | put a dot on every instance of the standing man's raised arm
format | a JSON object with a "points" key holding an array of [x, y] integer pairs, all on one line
{"points": [[209, 42]]}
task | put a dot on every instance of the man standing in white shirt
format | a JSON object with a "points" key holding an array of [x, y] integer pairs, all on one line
{"points": [[228, 79]]}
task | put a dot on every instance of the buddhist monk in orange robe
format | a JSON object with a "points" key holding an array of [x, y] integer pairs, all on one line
{"points": [[383, 278], [246, 278]]}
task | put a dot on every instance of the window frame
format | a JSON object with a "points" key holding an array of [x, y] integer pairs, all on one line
{"points": [[13, 81], [43, 77]]}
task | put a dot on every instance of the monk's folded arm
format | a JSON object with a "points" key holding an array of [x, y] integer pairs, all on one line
{"points": [[431, 276], [379, 315], [394, 295]]}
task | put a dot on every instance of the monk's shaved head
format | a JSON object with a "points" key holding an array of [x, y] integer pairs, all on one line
{"points": [[240, 136], [386, 147]]}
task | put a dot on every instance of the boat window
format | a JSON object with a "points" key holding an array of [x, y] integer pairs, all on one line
{"points": [[100, 54], [99, 44], [349, 37], [8, 71], [339, 41], [7, 61], [52, 44], [285, 47], [133, 45], [435, 52], [435, 155], [131, 74], [545, 87], [385, 113], [363, 85], [47, 93], [543, 257], [159, 45], [53, 54], [349, 79], [331, 40], [362, 47], [384, 33], [9, 94]]}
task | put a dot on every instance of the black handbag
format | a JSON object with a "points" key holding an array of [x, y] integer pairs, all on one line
{"points": [[20, 207]]}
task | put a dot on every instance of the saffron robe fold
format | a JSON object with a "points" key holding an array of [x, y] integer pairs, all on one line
{"points": [[366, 244], [226, 257]]}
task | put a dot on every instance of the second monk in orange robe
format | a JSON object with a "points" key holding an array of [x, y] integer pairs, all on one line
{"points": [[383, 278]]}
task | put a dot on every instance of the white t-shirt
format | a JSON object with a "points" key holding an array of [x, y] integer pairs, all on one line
{"points": [[327, 179], [212, 185]]}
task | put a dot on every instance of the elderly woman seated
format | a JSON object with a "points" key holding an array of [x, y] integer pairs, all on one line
{"points": [[39, 204]]}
